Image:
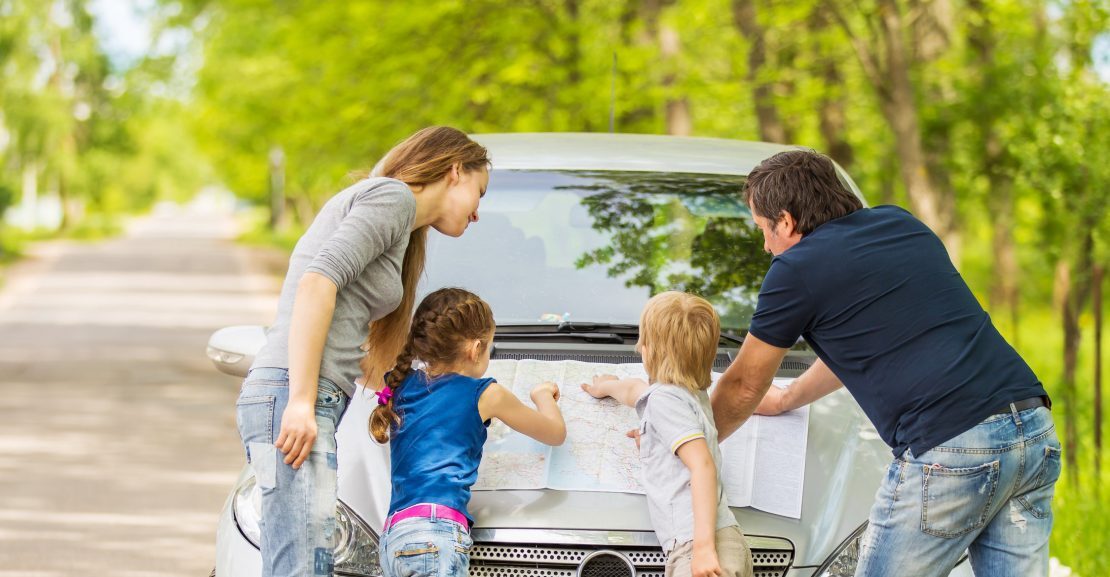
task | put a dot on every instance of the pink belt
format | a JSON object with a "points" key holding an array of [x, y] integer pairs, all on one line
{"points": [[430, 511]]}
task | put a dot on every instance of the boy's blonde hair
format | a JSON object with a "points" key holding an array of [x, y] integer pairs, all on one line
{"points": [[681, 332]]}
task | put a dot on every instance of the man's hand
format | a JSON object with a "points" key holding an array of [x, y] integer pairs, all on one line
{"points": [[705, 563], [771, 403], [298, 432]]}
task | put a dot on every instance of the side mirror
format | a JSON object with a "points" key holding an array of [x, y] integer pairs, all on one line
{"points": [[232, 349]]}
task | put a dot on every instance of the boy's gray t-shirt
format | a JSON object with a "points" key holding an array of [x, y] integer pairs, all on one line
{"points": [[671, 416], [358, 241]]}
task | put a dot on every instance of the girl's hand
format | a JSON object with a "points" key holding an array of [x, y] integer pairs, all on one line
{"points": [[704, 563], [298, 432], [544, 390], [597, 389]]}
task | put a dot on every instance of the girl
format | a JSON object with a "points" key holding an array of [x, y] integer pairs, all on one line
{"points": [[357, 264], [435, 420], [678, 440]]}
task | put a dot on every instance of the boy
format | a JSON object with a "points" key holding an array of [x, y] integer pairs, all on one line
{"points": [[678, 441]]}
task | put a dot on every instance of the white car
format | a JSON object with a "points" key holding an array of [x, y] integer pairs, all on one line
{"points": [[578, 231]]}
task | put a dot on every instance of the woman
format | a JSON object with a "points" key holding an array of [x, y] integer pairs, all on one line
{"points": [[356, 266]]}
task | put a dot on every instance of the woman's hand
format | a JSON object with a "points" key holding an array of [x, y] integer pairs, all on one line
{"points": [[705, 563], [298, 432], [544, 390]]}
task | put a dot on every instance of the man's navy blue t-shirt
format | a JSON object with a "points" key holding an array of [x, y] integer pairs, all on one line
{"points": [[877, 297]]}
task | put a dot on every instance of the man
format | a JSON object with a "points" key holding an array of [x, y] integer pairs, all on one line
{"points": [[874, 293]]}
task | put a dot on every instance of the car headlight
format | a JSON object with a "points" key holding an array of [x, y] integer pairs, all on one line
{"points": [[247, 508], [842, 562], [356, 544]]}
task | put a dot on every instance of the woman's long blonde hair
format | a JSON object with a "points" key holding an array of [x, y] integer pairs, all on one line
{"points": [[421, 159]]}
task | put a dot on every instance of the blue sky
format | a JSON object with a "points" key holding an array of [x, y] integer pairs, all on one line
{"points": [[123, 28]]}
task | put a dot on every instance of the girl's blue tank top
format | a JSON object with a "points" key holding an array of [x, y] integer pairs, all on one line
{"points": [[435, 451]]}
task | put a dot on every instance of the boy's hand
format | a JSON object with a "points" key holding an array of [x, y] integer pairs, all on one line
{"points": [[598, 388], [544, 390], [634, 434], [704, 563]]}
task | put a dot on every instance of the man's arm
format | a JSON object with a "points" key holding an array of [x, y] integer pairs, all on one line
{"points": [[813, 384], [744, 383]]}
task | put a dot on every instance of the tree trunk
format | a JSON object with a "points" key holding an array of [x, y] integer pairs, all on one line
{"points": [[886, 61], [995, 161], [771, 127], [678, 118], [900, 111], [1076, 288], [676, 108], [831, 115], [1096, 298], [1069, 316]]}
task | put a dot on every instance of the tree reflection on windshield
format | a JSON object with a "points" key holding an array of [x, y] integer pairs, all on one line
{"points": [[684, 232]]}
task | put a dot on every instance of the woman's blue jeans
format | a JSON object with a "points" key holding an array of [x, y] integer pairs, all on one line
{"points": [[988, 490], [298, 505]]}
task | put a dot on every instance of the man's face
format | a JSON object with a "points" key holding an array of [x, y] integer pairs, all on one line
{"points": [[777, 236]]}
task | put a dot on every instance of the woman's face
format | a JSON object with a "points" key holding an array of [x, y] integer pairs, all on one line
{"points": [[460, 202]]}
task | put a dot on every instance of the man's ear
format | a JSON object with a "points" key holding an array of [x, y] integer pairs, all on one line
{"points": [[789, 225]]}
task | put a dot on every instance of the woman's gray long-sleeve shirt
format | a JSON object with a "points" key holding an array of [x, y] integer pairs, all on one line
{"points": [[357, 241]]}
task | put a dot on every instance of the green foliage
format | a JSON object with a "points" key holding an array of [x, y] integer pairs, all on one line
{"points": [[1004, 92]]}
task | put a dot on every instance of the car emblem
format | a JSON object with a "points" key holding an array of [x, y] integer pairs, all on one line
{"points": [[606, 563]]}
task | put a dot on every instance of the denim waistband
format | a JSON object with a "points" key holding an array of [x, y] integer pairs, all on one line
{"points": [[280, 374]]}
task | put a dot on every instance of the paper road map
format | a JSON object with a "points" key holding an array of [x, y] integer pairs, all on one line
{"points": [[764, 461]]}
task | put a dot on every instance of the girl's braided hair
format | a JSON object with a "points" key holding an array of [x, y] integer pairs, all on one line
{"points": [[442, 325]]}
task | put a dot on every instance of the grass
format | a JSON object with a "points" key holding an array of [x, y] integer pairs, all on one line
{"points": [[1081, 533], [257, 231]]}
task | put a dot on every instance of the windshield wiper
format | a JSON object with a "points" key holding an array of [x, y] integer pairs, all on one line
{"points": [[589, 327], [609, 338], [607, 331], [732, 338]]}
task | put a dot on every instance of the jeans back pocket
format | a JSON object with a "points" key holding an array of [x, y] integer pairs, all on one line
{"points": [[956, 501], [416, 559], [1038, 499]]}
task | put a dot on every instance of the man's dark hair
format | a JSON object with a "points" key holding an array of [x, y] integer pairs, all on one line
{"points": [[803, 183]]}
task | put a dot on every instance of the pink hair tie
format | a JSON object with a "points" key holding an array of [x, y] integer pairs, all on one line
{"points": [[384, 395]]}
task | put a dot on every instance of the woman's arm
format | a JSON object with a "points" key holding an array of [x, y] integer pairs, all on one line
{"points": [[544, 423], [703, 491], [313, 307]]}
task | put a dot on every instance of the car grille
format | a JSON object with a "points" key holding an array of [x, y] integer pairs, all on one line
{"points": [[492, 559]]}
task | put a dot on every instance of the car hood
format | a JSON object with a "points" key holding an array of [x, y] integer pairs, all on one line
{"points": [[845, 463]]}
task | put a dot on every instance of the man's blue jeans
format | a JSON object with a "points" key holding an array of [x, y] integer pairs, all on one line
{"points": [[988, 490], [298, 505]]}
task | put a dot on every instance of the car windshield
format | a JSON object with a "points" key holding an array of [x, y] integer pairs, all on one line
{"points": [[590, 246]]}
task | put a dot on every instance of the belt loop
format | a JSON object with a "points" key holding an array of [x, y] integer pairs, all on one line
{"points": [[1014, 412], [433, 515]]}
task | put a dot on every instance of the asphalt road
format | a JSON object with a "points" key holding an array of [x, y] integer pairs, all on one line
{"points": [[117, 437]]}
